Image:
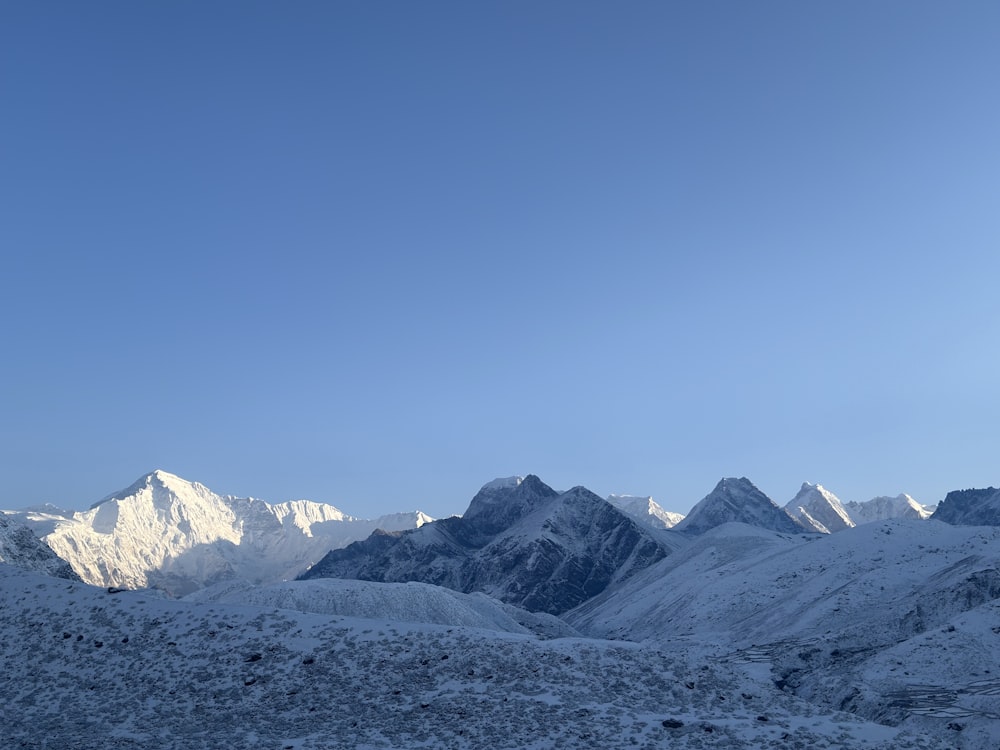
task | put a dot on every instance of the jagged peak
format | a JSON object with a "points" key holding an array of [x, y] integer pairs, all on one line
{"points": [[495, 508]]}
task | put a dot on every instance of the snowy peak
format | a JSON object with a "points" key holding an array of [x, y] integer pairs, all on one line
{"points": [[884, 508], [522, 543], [818, 509], [166, 532], [154, 480], [738, 500], [645, 510], [970, 508], [502, 502]]}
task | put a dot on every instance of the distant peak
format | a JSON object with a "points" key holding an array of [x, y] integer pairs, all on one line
{"points": [[737, 499]]}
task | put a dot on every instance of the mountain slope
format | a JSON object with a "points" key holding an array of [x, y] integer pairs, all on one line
{"points": [[818, 509], [883, 580], [519, 541], [20, 547], [815, 613], [88, 670], [168, 533], [970, 508], [738, 501], [400, 602]]}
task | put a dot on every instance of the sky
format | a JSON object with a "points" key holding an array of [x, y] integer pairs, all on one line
{"points": [[378, 253]]}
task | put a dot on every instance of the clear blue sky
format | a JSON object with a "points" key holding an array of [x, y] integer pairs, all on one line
{"points": [[378, 253]]}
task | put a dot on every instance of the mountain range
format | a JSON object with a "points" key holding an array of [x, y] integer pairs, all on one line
{"points": [[519, 541], [537, 618]]}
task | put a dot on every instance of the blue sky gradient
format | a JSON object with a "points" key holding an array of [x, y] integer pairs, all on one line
{"points": [[377, 254]]}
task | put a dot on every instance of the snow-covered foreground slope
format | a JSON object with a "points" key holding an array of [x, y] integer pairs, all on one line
{"points": [[400, 602], [89, 670], [823, 612], [178, 536], [885, 580]]}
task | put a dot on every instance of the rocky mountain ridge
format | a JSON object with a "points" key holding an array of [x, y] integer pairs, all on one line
{"points": [[520, 541]]}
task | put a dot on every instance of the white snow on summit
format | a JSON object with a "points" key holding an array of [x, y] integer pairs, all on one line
{"points": [[501, 483], [169, 533], [737, 500], [884, 508], [646, 510], [816, 507]]}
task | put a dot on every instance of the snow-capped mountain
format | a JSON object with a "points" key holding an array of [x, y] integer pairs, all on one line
{"points": [[731, 635], [739, 501], [970, 508], [884, 508], [520, 542], [646, 510], [818, 509], [175, 535], [19, 546]]}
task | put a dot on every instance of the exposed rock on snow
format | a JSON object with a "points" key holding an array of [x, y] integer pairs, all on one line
{"points": [[737, 500], [816, 611], [520, 542], [970, 508], [92, 671], [20, 547]]}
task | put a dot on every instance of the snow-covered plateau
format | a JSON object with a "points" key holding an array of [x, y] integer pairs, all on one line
{"points": [[744, 627]]}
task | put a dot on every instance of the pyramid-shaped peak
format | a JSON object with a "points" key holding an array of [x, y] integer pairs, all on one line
{"points": [[496, 506], [737, 500], [818, 509], [156, 479]]}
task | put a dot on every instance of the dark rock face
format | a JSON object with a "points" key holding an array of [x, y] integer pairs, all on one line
{"points": [[19, 546], [970, 508], [523, 544], [740, 501]]}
